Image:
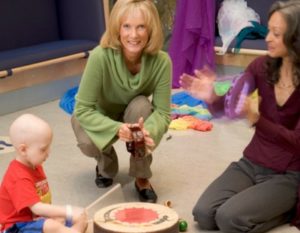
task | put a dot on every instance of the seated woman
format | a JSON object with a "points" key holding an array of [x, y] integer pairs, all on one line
{"points": [[260, 191]]}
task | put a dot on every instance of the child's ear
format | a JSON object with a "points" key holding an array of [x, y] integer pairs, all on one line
{"points": [[22, 148]]}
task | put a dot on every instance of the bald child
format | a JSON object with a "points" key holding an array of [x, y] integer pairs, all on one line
{"points": [[25, 197]]}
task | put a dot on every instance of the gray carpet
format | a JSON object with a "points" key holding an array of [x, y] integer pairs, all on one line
{"points": [[183, 166]]}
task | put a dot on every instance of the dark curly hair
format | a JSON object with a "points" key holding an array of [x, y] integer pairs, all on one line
{"points": [[290, 10]]}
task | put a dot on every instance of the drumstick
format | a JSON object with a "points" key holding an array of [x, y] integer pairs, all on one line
{"points": [[90, 206]]}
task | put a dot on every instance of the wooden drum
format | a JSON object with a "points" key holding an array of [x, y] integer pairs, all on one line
{"points": [[136, 217]]}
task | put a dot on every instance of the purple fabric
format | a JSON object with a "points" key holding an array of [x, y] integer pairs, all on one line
{"points": [[192, 42]]}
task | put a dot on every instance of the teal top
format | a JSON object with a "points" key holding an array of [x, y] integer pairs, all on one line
{"points": [[107, 87]]}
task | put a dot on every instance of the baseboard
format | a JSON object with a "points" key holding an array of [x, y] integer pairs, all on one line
{"points": [[20, 99], [222, 70]]}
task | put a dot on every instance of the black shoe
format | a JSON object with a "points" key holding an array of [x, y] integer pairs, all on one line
{"points": [[146, 194], [102, 182]]}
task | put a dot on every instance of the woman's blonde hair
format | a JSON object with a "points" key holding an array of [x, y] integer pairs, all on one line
{"points": [[111, 37]]}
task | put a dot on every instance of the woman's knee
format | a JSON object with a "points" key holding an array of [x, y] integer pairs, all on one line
{"points": [[230, 222], [204, 215], [84, 143], [140, 106], [89, 149]]}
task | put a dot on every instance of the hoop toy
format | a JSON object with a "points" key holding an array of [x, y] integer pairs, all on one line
{"points": [[241, 87]]}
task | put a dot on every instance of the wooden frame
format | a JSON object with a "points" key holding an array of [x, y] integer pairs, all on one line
{"points": [[5, 73], [106, 11], [42, 74], [257, 52], [241, 59]]}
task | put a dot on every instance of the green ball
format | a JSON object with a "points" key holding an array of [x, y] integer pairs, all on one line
{"points": [[182, 225]]}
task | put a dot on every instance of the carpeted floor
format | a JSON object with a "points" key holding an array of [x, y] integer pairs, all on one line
{"points": [[184, 164]]}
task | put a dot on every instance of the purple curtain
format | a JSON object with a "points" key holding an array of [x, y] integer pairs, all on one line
{"points": [[193, 36]]}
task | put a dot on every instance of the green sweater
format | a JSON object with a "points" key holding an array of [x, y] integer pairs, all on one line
{"points": [[107, 87]]}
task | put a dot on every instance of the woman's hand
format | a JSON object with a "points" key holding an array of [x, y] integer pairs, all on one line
{"points": [[124, 133], [149, 142], [200, 86], [251, 109]]}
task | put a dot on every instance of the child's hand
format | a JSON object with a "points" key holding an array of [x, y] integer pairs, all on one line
{"points": [[78, 213]]}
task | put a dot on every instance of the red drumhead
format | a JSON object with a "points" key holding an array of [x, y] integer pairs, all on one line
{"points": [[136, 215]]}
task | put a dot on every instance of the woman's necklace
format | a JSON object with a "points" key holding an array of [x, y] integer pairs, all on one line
{"points": [[284, 85], [283, 92], [286, 82]]}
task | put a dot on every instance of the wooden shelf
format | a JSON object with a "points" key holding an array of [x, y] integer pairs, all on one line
{"points": [[43, 74], [241, 59]]}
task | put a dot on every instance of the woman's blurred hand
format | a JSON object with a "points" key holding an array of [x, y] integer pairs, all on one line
{"points": [[201, 85], [251, 108]]}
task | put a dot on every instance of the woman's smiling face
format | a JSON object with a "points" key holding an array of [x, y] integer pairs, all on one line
{"points": [[277, 28], [133, 34]]}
